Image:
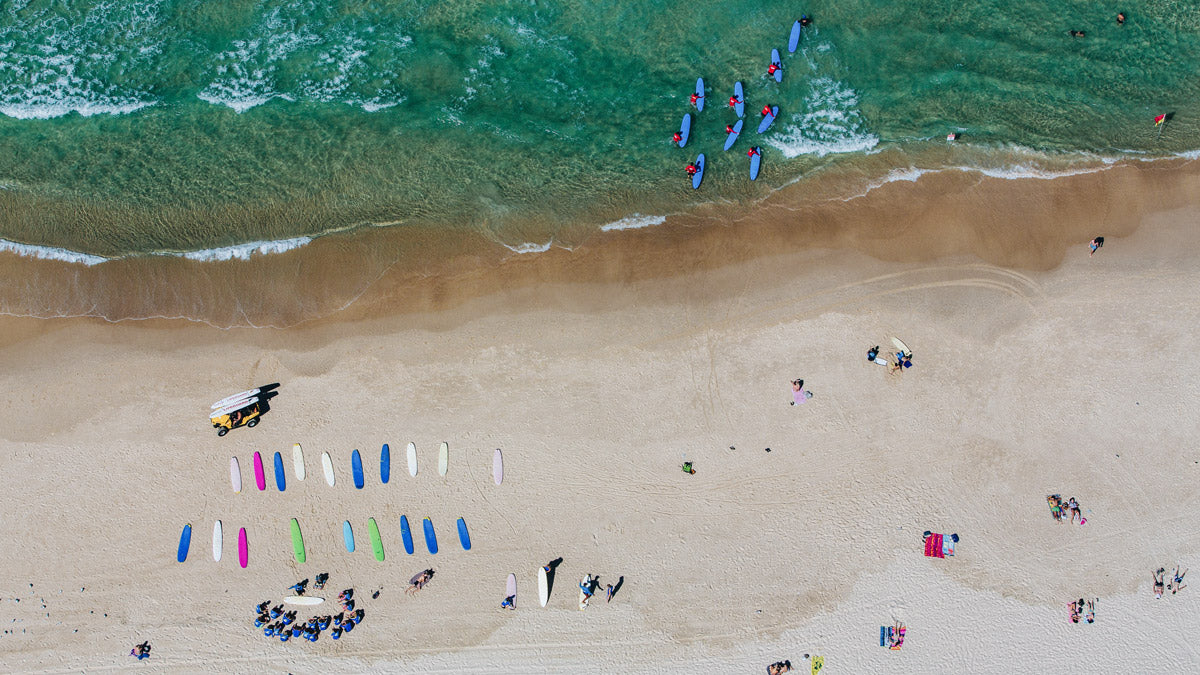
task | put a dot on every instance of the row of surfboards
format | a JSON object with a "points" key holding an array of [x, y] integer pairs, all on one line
{"points": [[356, 467], [298, 550], [738, 102]]}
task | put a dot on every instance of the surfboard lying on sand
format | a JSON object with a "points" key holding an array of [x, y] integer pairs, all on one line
{"points": [[794, 38], [443, 458], [327, 466], [543, 587], [298, 542], [685, 129], [303, 600], [217, 543], [731, 138], [260, 479], [243, 548], [348, 536], [510, 588], [740, 106], [356, 469], [385, 464], [412, 459], [700, 93], [901, 347], [463, 537], [430, 537], [376, 541], [249, 393], [185, 541], [498, 467], [235, 474], [298, 461], [699, 175], [406, 535], [767, 120], [755, 163], [775, 59], [280, 477]]}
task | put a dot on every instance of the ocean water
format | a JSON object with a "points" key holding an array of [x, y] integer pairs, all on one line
{"points": [[232, 129]]}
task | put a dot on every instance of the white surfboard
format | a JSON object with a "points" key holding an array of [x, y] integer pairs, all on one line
{"points": [[510, 589], [412, 459], [236, 397], [443, 458], [232, 408], [498, 467], [303, 600], [543, 587], [901, 347], [327, 465], [217, 541], [298, 460], [235, 474]]}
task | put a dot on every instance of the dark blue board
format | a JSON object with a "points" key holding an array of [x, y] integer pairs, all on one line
{"points": [[740, 108], [775, 60], [463, 537], [385, 464], [794, 38], [699, 175], [755, 163], [280, 478], [406, 535], [356, 467], [685, 129], [767, 120], [700, 93], [430, 537], [732, 138], [185, 540]]}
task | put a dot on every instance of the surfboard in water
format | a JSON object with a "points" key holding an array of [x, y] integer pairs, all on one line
{"points": [[430, 537], [412, 459], [298, 461], [776, 60], [699, 175], [498, 467], [463, 537], [260, 478], [327, 466], [348, 536], [755, 163], [406, 535], [685, 129], [217, 541], [385, 464], [376, 541], [280, 477], [243, 548], [794, 38], [235, 474], [700, 93], [356, 469], [185, 540], [740, 106], [732, 137], [767, 120]]}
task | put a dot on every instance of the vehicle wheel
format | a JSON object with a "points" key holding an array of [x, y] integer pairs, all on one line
{"points": [[252, 423], [222, 431]]}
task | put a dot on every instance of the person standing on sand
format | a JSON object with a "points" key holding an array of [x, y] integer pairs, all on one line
{"points": [[1095, 244]]}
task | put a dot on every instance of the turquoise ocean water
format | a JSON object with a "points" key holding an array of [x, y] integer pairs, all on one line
{"points": [[129, 128]]}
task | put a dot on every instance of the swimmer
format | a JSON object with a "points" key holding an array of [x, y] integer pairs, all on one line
{"points": [[1120, 18]]}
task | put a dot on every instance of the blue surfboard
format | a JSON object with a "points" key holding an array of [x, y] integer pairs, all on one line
{"points": [[356, 467], [775, 59], [700, 93], [348, 536], [767, 120], [406, 535], [185, 541], [794, 38], [685, 129], [430, 537], [730, 139], [755, 163], [463, 537], [385, 464], [280, 480], [699, 175], [740, 107]]}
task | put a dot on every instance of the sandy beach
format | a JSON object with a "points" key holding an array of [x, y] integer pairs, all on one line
{"points": [[1037, 370]]}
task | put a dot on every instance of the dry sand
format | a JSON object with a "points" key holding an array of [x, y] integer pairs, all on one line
{"points": [[1077, 378]]}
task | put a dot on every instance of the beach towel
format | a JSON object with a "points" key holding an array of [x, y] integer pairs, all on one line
{"points": [[900, 638], [947, 546], [884, 635], [934, 546]]}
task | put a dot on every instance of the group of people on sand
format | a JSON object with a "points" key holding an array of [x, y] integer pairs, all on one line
{"points": [[1077, 607], [276, 622], [1060, 509], [898, 360], [1175, 585]]}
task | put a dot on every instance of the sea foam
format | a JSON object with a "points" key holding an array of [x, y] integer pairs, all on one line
{"points": [[633, 222]]}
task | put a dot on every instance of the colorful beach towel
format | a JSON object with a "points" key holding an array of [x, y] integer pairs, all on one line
{"points": [[933, 546]]}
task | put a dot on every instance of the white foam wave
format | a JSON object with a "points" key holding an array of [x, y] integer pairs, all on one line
{"points": [[634, 222], [529, 247], [829, 123], [244, 251], [84, 107], [50, 253]]}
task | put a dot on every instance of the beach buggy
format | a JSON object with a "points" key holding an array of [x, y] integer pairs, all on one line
{"points": [[239, 410]]}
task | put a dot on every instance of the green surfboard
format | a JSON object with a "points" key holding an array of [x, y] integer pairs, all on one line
{"points": [[297, 542], [376, 542]]}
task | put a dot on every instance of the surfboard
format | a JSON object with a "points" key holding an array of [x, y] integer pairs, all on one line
{"points": [[498, 467], [430, 537], [217, 543], [767, 120], [298, 461], [327, 465], [185, 540], [298, 542], [235, 398], [794, 38], [685, 129], [356, 469], [543, 587], [584, 597], [443, 458], [730, 139], [243, 548], [700, 93], [775, 59], [740, 107], [348, 536], [385, 464], [881, 361], [235, 474], [755, 163], [903, 348], [463, 537], [406, 535], [699, 175], [280, 477], [303, 600], [510, 588], [376, 542], [232, 407], [412, 459], [260, 479]]}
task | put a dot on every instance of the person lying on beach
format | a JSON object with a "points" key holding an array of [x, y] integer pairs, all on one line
{"points": [[1178, 582], [1158, 582], [1074, 608], [418, 582], [1055, 503], [1073, 507], [1091, 611]]}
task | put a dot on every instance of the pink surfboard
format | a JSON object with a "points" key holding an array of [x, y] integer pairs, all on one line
{"points": [[243, 548], [259, 477]]}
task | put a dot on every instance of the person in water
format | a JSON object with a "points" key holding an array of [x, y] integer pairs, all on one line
{"points": [[773, 67], [677, 137], [752, 151], [696, 98], [805, 21], [1120, 18], [734, 101], [766, 111], [729, 129], [691, 169]]}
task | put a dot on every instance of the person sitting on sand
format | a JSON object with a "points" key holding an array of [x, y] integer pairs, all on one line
{"points": [[509, 602], [261, 608], [336, 632], [1091, 611], [276, 611], [688, 469], [347, 626], [323, 624], [1178, 582], [320, 580], [873, 353], [902, 361]]}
